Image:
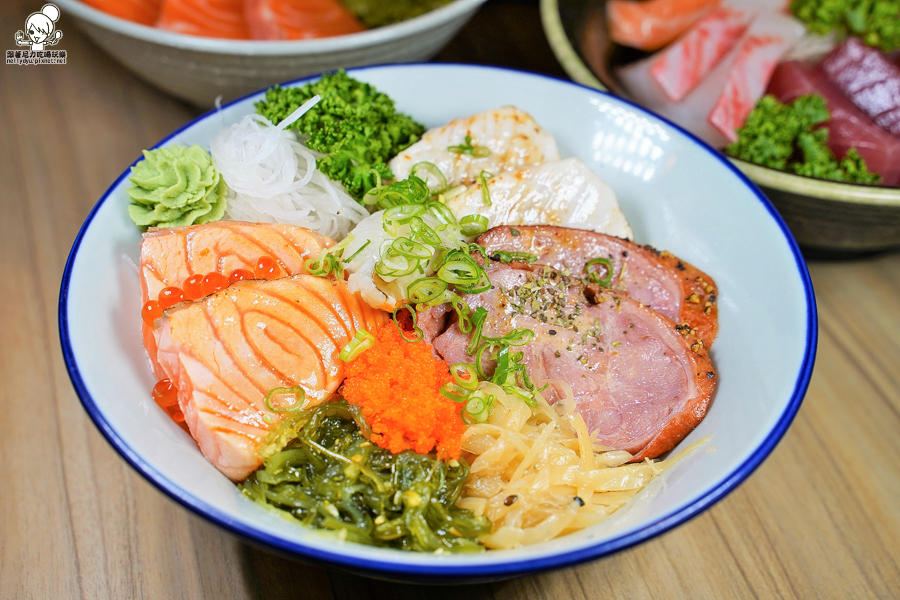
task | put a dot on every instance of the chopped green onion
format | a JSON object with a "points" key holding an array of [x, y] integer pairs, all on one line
{"points": [[465, 375], [473, 225], [410, 249], [362, 341], [594, 277], [478, 407], [508, 257], [402, 213], [423, 233], [454, 192], [454, 392], [460, 269], [411, 190], [393, 265], [468, 148], [516, 337], [477, 322], [425, 289], [442, 212], [352, 256], [431, 169], [415, 321], [485, 192], [299, 396], [523, 395]]}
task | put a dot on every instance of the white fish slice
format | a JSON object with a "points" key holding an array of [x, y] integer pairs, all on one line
{"points": [[514, 139], [565, 193]]}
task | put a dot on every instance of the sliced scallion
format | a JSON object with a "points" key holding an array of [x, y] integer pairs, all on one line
{"points": [[594, 277], [299, 399], [473, 225], [362, 341]]}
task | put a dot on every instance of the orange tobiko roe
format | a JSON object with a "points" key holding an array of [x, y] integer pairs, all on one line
{"points": [[397, 386]]}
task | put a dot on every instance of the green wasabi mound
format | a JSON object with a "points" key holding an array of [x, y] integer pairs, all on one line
{"points": [[175, 186]]}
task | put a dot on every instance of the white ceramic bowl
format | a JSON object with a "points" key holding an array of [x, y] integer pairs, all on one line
{"points": [[200, 69], [678, 194]]}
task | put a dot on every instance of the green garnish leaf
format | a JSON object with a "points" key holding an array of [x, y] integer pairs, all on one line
{"points": [[468, 148], [788, 137], [354, 125]]}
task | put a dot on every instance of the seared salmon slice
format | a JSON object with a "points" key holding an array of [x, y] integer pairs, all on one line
{"points": [[169, 257], [226, 352]]}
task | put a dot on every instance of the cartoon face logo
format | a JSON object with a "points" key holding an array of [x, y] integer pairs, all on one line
{"points": [[40, 29]]}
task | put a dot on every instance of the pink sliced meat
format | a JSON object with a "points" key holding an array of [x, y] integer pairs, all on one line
{"points": [[869, 79], [680, 67], [849, 127], [660, 280], [637, 382], [770, 36]]}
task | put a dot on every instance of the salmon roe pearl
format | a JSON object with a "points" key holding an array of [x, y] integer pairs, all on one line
{"points": [[166, 396], [213, 282], [151, 311], [193, 287], [267, 268], [170, 296], [240, 275]]}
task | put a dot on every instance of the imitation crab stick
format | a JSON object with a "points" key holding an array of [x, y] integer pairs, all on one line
{"points": [[652, 24], [206, 18], [299, 19], [139, 11]]}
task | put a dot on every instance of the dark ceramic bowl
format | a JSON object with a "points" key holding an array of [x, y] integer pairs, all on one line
{"points": [[826, 217]]}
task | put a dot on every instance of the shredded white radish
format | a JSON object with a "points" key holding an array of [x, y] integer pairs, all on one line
{"points": [[272, 178]]}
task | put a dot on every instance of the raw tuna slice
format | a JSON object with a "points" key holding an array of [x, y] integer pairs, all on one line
{"points": [[680, 67], [652, 24], [170, 256], [869, 79], [226, 352], [639, 384], [659, 280], [769, 37], [849, 127], [299, 19]]}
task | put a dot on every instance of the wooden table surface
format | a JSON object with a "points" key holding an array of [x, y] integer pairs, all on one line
{"points": [[819, 519]]}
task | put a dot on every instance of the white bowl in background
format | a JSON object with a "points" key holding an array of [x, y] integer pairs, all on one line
{"points": [[678, 194], [199, 69]]}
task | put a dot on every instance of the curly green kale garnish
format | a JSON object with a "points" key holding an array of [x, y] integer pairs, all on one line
{"points": [[332, 478], [355, 126], [876, 22], [786, 137]]}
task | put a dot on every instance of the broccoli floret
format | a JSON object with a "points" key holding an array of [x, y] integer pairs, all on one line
{"points": [[877, 22], [354, 125], [786, 137]]}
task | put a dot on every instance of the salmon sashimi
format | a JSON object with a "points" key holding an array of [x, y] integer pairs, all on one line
{"points": [[226, 352], [501, 140], [651, 24], [299, 19], [769, 38], [140, 11], [206, 18], [637, 382], [169, 257], [680, 67], [670, 286]]}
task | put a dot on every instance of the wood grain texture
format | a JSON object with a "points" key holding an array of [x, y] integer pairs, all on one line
{"points": [[819, 519]]}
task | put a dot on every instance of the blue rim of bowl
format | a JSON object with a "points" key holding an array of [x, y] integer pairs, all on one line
{"points": [[516, 566]]}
